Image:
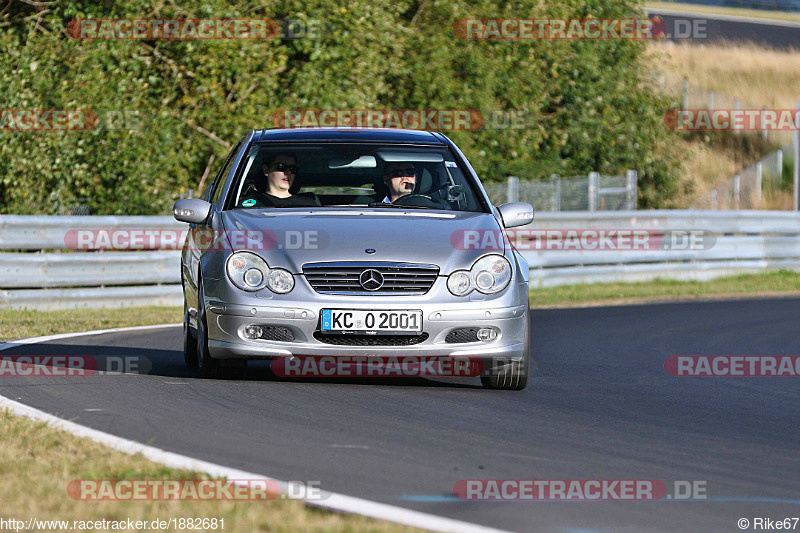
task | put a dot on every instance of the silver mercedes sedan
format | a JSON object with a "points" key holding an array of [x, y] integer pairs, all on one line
{"points": [[353, 243]]}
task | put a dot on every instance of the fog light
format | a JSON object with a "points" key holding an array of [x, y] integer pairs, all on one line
{"points": [[253, 332], [487, 334]]}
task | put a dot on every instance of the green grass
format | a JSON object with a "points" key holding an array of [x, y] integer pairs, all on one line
{"points": [[20, 324], [768, 283], [732, 11]]}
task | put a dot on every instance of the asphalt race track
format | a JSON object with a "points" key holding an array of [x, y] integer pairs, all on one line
{"points": [[601, 407], [777, 34]]}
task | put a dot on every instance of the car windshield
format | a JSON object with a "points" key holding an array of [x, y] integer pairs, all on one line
{"points": [[378, 176]]}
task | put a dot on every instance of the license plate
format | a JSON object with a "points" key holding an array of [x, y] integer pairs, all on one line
{"points": [[355, 321]]}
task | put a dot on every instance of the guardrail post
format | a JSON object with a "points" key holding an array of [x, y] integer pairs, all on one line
{"points": [[737, 182], [714, 201], [759, 177], [631, 196], [556, 192], [513, 189], [594, 179]]}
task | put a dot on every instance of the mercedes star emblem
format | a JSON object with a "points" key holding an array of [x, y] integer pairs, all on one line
{"points": [[371, 280]]}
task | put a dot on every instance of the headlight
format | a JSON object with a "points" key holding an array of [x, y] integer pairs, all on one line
{"points": [[247, 271], [490, 274], [280, 281], [250, 273]]}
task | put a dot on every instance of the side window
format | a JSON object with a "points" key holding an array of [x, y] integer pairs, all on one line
{"points": [[219, 180]]}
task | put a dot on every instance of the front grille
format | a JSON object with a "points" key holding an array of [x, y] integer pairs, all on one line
{"points": [[343, 277], [371, 340], [462, 335]]}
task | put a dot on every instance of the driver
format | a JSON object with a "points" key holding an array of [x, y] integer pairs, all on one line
{"points": [[400, 178]]}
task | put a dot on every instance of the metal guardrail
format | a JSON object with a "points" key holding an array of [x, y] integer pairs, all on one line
{"points": [[69, 279], [743, 242], [49, 276], [88, 269], [107, 297], [23, 232]]}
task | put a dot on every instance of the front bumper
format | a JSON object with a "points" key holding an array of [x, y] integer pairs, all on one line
{"points": [[300, 311]]}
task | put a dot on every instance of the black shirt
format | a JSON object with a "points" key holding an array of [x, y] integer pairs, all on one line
{"points": [[307, 199]]}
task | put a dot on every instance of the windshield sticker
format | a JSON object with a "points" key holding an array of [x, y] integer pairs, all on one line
{"points": [[451, 164], [249, 203]]}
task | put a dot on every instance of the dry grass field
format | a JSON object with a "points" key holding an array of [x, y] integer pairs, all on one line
{"points": [[761, 77]]}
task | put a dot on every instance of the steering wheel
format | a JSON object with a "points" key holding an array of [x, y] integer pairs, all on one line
{"points": [[410, 196], [419, 200]]}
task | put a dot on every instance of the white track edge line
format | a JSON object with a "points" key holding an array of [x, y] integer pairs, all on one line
{"points": [[334, 501]]}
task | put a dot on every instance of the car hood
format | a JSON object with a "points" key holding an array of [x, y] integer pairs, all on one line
{"points": [[295, 237]]}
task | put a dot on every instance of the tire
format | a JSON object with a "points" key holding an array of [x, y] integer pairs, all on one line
{"points": [[209, 367], [510, 375], [189, 339]]}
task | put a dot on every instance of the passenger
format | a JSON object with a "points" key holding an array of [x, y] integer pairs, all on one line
{"points": [[281, 171]]}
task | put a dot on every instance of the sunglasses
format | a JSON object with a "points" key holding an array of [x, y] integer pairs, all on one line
{"points": [[283, 167], [402, 172]]}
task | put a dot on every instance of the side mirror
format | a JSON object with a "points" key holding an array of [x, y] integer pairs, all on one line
{"points": [[191, 210], [516, 214]]}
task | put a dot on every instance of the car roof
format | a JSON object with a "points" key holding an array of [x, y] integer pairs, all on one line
{"points": [[348, 135]]}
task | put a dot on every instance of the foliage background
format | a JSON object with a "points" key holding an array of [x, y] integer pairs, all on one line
{"points": [[589, 104]]}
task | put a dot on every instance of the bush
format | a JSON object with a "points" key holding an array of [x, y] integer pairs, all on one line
{"points": [[585, 102]]}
